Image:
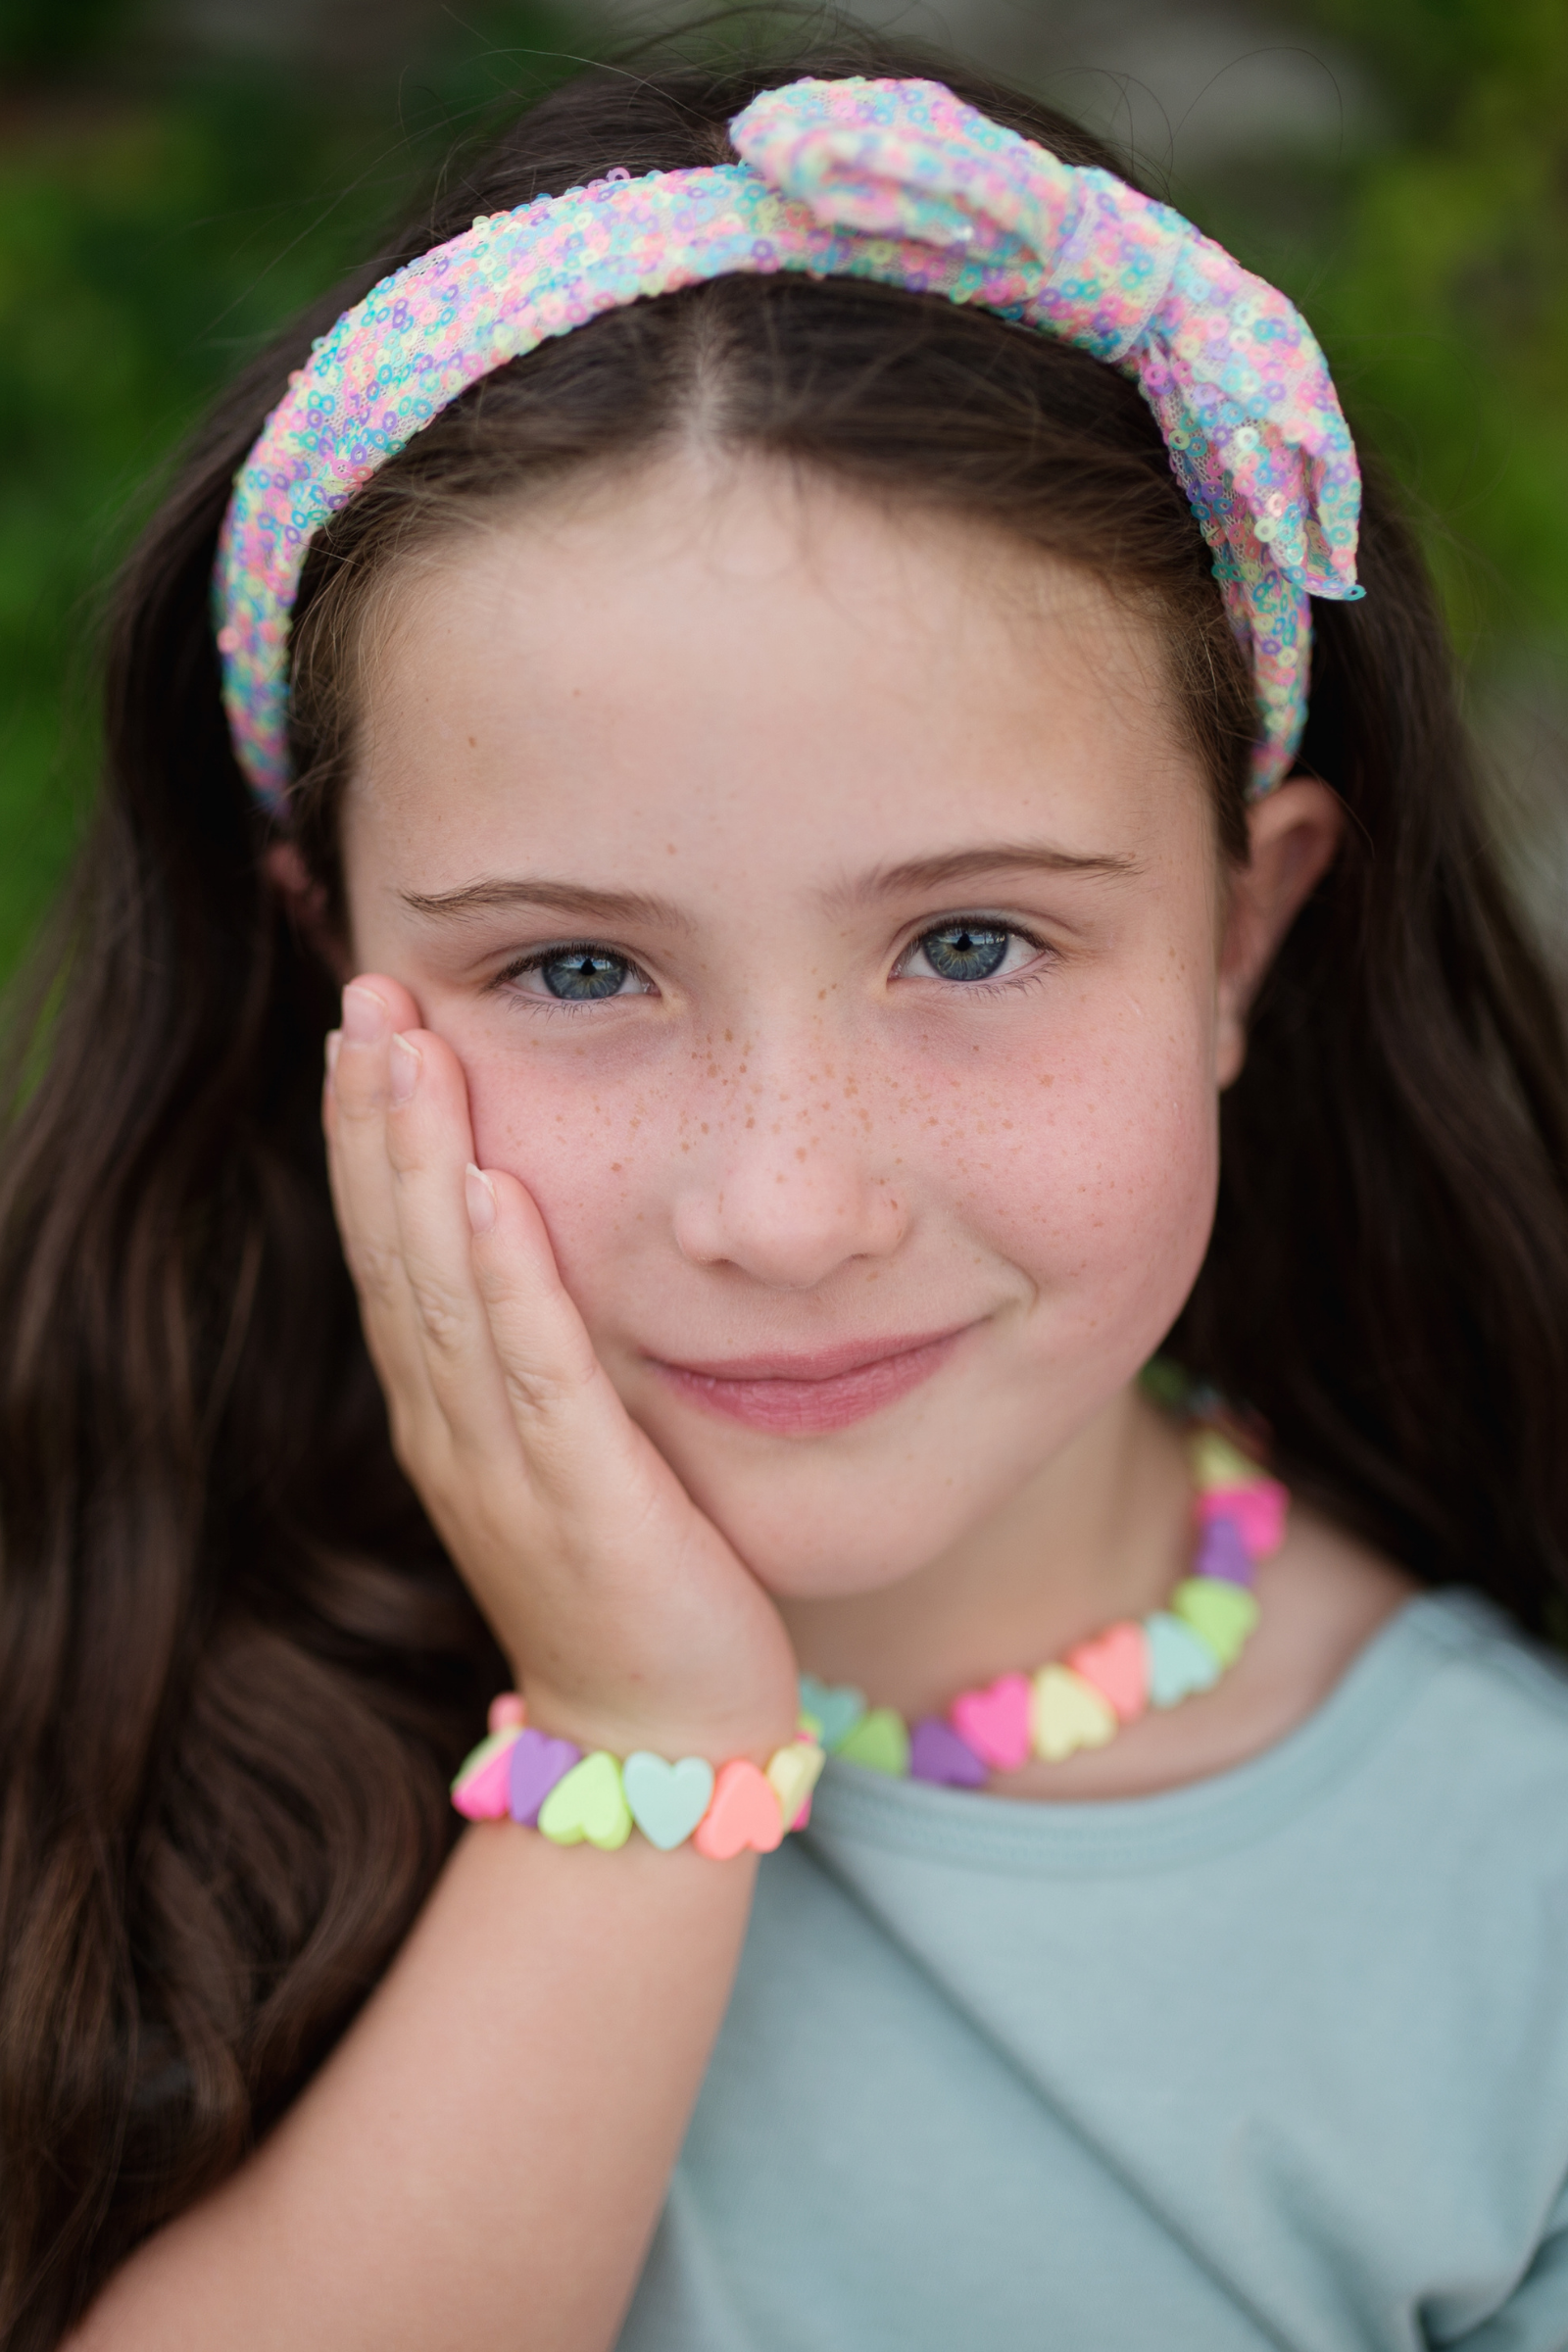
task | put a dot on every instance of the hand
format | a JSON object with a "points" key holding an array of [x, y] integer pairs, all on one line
{"points": [[628, 1618]]}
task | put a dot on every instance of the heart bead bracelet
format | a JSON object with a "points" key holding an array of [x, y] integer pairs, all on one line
{"points": [[1081, 1701], [550, 1785]]}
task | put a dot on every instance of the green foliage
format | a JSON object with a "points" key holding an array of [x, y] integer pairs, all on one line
{"points": [[1433, 261]]}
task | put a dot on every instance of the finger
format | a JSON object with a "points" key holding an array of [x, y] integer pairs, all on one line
{"points": [[429, 1143], [362, 1195], [581, 1445]]}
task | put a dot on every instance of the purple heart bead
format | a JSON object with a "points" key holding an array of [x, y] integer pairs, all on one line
{"points": [[1224, 1554], [538, 1762], [937, 1753]]}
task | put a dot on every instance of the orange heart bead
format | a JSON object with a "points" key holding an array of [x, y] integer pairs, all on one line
{"points": [[744, 1813]]}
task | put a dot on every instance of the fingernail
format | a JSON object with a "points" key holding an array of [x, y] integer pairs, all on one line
{"points": [[364, 1016], [334, 1039], [404, 1072], [480, 1195]]}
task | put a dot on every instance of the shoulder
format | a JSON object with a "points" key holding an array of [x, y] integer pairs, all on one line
{"points": [[1462, 1684]]}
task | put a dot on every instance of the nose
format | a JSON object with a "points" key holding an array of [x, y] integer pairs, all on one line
{"points": [[790, 1202]]}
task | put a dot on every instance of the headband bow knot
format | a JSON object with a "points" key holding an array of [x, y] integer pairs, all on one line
{"points": [[898, 182]]}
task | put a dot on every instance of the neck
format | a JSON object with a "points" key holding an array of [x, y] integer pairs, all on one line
{"points": [[1102, 1531]]}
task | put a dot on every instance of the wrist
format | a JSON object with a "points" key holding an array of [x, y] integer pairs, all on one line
{"points": [[754, 1728], [575, 1790]]}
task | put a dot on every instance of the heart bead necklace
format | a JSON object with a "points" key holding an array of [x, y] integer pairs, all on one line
{"points": [[1083, 1699]]}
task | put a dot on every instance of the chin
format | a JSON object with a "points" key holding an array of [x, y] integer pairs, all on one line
{"points": [[859, 1536]]}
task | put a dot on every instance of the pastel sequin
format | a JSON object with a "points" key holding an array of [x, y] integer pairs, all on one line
{"points": [[896, 181]]}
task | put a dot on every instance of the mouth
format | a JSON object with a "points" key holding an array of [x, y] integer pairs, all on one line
{"points": [[808, 1395]]}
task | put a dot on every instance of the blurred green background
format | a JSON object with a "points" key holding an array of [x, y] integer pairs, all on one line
{"points": [[176, 176]]}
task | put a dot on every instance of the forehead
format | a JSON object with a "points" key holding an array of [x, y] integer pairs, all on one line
{"points": [[743, 661]]}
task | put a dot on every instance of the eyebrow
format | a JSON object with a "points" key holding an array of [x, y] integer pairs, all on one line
{"points": [[973, 866], [575, 900]]}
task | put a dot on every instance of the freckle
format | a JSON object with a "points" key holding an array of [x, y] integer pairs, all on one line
{"points": [[750, 1122], [704, 1126], [669, 849], [1047, 1080], [713, 1070], [687, 1148], [729, 1036], [820, 994], [1007, 1125], [799, 1154], [614, 1167], [778, 1180]]}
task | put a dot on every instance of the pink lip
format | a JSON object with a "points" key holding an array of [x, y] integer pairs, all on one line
{"points": [[806, 1396]]}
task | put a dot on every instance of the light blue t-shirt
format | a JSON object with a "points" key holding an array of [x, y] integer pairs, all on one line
{"points": [[1280, 2059]]}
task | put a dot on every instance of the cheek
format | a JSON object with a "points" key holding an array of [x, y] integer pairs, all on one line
{"points": [[589, 1147], [1084, 1152], [1108, 1202]]}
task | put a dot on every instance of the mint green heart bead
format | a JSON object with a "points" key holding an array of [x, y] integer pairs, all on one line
{"points": [[666, 1800]]}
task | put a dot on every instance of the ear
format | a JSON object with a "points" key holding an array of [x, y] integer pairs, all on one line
{"points": [[1295, 833], [305, 904]]}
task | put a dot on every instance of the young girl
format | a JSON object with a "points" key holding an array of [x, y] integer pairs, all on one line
{"points": [[754, 701]]}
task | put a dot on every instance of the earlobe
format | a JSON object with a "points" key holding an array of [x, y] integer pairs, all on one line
{"points": [[1294, 834], [305, 902]]}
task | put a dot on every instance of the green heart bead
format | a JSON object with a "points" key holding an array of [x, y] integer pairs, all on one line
{"points": [[835, 1711], [589, 1802], [1221, 1614], [880, 1741]]}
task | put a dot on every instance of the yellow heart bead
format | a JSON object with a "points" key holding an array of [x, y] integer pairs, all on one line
{"points": [[1221, 1614], [792, 1775], [588, 1803], [1068, 1714], [1216, 1463]]}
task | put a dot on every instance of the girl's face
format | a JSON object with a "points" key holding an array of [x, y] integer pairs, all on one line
{"points": [[825, 909]]}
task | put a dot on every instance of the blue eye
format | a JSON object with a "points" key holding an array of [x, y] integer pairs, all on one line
{"points": [[584, 975], [975, 950]]}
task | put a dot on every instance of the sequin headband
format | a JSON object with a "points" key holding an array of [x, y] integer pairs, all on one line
{"points": [[898, 182]]}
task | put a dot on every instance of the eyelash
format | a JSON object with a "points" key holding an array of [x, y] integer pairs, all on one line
{"points": [[1012, 981], [558, 950]]}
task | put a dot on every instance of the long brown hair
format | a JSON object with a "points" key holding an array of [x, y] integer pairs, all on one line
{"points": [[235, 1667]]}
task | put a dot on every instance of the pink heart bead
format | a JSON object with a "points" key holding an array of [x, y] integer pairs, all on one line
{"points": [[1259, 1510], [1116, 1665], [480, 1791], [995, 1721]]}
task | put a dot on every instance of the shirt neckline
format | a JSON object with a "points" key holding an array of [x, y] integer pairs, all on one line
{"points": [[1086, 1837]]}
